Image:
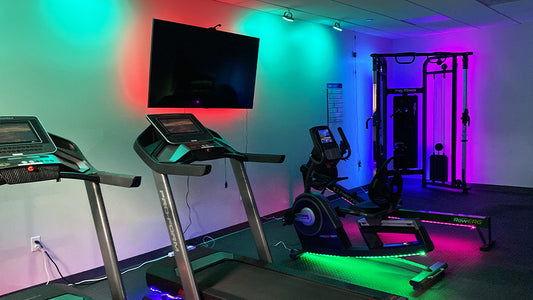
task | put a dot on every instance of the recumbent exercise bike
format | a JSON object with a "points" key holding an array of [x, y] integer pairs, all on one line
{"points": [[321, 231]]}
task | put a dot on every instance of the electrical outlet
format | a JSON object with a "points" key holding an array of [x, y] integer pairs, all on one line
{"points": [[33, 245]]}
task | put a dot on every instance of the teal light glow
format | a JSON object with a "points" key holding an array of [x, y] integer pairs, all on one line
{"points": [[88, 23], [284, 46]]}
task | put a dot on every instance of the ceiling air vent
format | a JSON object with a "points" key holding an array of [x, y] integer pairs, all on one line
{"points": [[427, 19]]}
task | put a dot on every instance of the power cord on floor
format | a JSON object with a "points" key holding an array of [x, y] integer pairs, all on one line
{"points": [[283, 244], [188, 206], [45, 266], [43, 250], [46, 255], [95, 280], [268, 219], [208, 242]]}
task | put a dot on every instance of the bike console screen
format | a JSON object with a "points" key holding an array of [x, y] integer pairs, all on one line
{"points": [[325, 136], [325, 142]]}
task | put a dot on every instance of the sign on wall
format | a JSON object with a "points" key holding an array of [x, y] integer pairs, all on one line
{"points": [[335, 104]]}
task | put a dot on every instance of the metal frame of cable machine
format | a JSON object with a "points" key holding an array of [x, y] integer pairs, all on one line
{"points": [[379, 117]]}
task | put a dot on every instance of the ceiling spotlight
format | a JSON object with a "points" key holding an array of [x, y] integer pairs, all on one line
{"points": [[287, 16], [337, 26]]}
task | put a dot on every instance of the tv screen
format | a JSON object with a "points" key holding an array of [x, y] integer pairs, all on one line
{"points": [[201, 67]]}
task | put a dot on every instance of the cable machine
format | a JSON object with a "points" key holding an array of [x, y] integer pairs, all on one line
{"points": [[406, 118]]}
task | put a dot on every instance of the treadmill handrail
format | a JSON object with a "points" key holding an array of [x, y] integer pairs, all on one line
{"points": [[264, 158], [69, 151], [71, 164], [117, 179], [252, 157], [150, 137], [171, 168]]}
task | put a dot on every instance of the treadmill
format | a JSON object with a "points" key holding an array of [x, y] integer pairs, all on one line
{"points": [[171, 145], [28, 153]]}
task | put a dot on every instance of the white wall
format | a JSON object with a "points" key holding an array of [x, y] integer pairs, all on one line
{"points": [[500, 96], [83, 69], [358, 110]]}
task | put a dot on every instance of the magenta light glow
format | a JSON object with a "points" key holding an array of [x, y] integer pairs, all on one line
{"points": [[443, 223], [451, 224], [460, 249]]}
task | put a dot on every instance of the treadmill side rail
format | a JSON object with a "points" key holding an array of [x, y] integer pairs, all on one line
{"points": [[250, 206], [105, 239], [175, 232]]}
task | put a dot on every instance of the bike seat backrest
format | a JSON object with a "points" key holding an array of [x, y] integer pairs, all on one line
{"points": [[385, 189]]}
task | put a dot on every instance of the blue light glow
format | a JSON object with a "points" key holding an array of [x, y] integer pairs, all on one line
{"points": [[164, 295]]}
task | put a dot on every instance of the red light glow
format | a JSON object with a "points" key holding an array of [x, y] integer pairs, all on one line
{"points": [[134, 67]]}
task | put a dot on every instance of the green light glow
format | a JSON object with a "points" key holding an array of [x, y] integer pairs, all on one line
{"points": [[377, 274], [421, 253], [412, 263]]}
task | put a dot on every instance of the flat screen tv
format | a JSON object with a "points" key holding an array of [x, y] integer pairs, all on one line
{"points": [[201, 67]]}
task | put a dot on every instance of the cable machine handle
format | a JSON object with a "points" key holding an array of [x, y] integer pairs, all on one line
{"points": [[412, 55], [368, 120]]}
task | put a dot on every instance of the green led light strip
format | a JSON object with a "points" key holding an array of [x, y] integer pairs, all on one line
{"points": [[311, 255]]}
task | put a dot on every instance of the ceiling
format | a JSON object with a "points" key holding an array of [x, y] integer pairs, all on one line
{"points": [[400, 18]]}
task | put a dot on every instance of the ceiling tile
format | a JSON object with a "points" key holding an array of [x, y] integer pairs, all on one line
{"points": [[468, 12], [522, 11], [390, 17]]}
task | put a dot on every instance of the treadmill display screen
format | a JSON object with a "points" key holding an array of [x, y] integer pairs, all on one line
{"points": [[179, 126], [325, 136], [16, 133], [23, 135]]}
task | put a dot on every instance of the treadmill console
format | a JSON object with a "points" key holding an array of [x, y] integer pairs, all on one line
{"points": [[325, 143], [23, 136], [186, 139], [180, 128]]}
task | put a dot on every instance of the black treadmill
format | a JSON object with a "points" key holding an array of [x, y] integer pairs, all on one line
{"points": [[29, 154], [170, 146]]}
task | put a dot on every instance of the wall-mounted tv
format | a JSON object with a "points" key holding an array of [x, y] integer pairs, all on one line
{"points": [[201, 67]]}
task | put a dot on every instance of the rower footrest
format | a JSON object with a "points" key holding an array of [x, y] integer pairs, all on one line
{"points": [[428, 277]]}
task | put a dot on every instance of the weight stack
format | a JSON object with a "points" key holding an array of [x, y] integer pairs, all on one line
{"points": [[438, 167]]}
